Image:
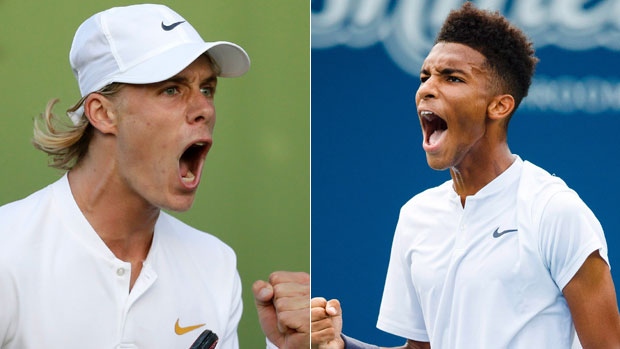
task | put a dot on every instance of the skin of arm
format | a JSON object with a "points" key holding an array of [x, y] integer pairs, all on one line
{"points": [[592, 301], [417, 345]]}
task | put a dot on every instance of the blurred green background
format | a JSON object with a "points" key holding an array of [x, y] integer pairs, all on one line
{"points": [[255, 191]]}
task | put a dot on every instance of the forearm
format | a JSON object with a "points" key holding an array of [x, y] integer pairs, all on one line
{"points": [[352, 343]]}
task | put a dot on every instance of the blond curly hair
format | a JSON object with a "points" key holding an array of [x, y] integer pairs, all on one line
{"points": [[65, 143]]}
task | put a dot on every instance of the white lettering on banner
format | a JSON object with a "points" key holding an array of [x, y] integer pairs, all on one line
{"points": [[407, 29], [591, 95]]}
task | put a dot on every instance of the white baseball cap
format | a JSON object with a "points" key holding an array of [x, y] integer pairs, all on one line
{"points": [[142, 44]]}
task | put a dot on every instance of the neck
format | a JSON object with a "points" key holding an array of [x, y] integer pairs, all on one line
{"points": [[122, 220], [471, 176]]}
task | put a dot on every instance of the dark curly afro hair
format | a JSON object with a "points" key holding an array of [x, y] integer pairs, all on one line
{"points": [[509, 53]]}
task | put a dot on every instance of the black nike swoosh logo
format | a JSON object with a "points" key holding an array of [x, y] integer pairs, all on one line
{"points": [[498, 233], [171, 26]]}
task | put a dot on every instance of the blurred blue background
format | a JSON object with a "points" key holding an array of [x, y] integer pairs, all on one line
{"points": [[367, 159]]}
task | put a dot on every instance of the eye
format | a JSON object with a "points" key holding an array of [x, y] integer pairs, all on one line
{"points": [[208, 91], [454, 79], [171, 90], [423, 78]]}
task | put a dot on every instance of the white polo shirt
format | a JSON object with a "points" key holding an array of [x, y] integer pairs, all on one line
{"points": [[483, 277], [61, 287]]}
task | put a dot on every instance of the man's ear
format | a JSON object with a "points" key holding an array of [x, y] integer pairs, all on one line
{"points": [[501, 107], [101, 113]]}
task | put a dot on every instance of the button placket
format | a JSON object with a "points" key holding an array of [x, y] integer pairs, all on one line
{"points": [[126, 346]]}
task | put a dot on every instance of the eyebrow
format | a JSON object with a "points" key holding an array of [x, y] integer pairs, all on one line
{"points": [[183, 80], [445, 71]]}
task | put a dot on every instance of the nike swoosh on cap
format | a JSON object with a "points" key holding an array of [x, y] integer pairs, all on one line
{"points": [[169, 27], [498, 233], [183, 330]]}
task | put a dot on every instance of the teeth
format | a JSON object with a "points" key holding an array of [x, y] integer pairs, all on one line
{"points": [[199, 144], [426, 113], [189, 177]]}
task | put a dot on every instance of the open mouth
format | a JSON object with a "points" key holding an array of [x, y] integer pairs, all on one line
{"points": [[433, 125], [190, 163]]}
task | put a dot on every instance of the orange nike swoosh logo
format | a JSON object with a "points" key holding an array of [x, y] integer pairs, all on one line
{"points": [[183, 330]]}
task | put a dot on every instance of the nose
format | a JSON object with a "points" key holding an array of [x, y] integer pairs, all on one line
{"points": [[201, 108], [427, 89]]}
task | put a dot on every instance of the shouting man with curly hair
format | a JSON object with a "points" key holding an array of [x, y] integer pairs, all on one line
{"points": [[503, 255]]}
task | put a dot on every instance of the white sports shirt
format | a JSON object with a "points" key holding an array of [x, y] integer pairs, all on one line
{"points": [[489, 275], [61, 287]]}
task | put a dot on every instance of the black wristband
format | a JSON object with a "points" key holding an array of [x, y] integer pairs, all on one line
{"points": [[352, 343]]}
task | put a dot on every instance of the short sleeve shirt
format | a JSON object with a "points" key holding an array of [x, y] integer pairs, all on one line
{"points": [[61, 287], [475, 277]]}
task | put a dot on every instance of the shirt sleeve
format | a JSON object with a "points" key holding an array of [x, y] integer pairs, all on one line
{"points": [[569, 234], [400, 313]]}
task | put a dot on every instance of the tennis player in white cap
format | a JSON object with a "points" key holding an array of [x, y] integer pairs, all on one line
{"points": [[91, 261]]}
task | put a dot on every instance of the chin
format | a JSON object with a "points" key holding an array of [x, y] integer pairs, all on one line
{"points": [[436, 164], [180, 205]]}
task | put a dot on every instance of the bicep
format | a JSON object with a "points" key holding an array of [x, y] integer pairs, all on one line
{"points": [[591, 298]]}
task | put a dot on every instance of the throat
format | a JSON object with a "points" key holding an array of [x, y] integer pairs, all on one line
{"points": [[133, 252], [136, 269], [470, 179], [464, 184]]}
